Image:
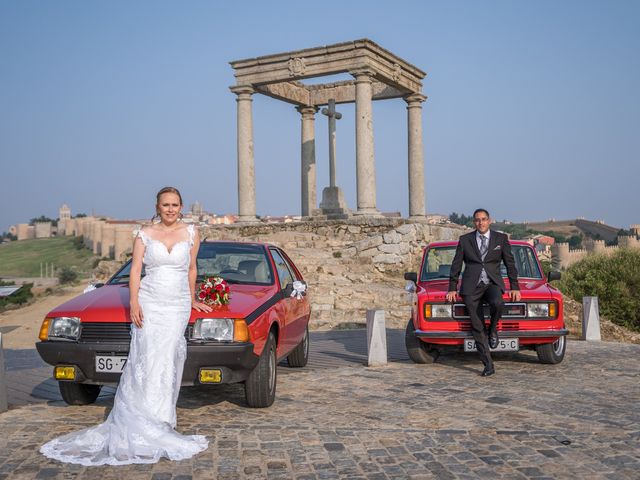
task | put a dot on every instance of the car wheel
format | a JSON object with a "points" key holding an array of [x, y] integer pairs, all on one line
{"points": [[418, 351], [300, 355], [79, 393], [260, 386], [552, 353]]}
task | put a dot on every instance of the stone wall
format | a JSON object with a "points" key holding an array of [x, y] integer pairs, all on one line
{"points": [[562, 257], [350, 266]]}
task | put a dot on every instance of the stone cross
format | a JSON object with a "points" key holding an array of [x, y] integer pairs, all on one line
{"points": [[333, 116]]}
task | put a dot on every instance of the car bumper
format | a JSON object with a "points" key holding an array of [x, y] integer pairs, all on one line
{"points": [[561, 332], [234, 360]]}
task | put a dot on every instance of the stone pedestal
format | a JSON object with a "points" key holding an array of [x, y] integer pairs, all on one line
{"points": [[376, 338], [590, 319], [333, 204], [4, 406]]}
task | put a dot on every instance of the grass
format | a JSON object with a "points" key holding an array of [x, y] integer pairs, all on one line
{"points": [[23, 258]]}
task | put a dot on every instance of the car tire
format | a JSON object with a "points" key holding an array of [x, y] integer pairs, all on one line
{"points": [[300, 355], [418, 350], [552, 353], [79, 393], [260, 386]]}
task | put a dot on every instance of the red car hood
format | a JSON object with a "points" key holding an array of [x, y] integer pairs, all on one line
{"points": [[529, 288], [110, 303]]}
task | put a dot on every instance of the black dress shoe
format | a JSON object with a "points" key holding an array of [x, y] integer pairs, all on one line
{"points": [[493, 339], [488, 371]]}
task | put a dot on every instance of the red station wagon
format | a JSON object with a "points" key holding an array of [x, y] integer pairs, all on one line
{"points": [[536, 322], [87, 338]]}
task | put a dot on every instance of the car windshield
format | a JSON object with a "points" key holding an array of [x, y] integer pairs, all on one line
{"points": [[437, 265], [236, 263]]}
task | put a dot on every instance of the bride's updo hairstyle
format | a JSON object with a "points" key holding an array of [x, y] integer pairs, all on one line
{"points": [[161, 192]]}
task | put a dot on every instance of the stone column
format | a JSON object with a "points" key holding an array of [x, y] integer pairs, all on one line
{"points": [[308, 160], [246, 169], [365, 161], [416, 156]]}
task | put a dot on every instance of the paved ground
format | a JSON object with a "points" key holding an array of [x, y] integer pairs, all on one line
{"points": [[339, 419]]}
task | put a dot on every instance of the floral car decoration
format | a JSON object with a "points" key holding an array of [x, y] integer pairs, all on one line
{"points": [[261, 317], [535, 322], [214, 291]]}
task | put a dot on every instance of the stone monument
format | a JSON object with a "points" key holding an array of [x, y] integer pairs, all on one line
{"points": [[377, 74], [333, 205]]}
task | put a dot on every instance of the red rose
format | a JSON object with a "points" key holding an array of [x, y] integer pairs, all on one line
{"points": [[219, 287], [202, 295]]}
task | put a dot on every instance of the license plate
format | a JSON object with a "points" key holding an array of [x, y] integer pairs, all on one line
{"points": [[504, 345], [110, 363]]}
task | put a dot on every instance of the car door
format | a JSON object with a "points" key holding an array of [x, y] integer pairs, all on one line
{"points": [[299, 308], [285, 278]]}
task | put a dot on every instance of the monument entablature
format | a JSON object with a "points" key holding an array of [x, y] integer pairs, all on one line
{"points": [[377, 75]]}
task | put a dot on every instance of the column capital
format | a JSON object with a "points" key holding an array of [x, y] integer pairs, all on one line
{"points": [[307, 110], [415, 100], [363, 74], [243, 91]]}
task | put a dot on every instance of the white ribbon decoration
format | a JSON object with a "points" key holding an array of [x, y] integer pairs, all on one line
{"points": [[298, 289]]}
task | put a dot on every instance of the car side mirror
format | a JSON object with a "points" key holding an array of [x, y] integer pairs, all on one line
{"points": [[288, 289], [553, 275], [411, 276]]}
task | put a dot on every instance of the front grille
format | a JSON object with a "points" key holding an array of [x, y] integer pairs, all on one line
{"points": [[502, 326], [511, 310], [111, 332]]}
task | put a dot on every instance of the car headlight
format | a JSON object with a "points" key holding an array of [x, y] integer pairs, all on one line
{"points": [[213, 329], [437, 311], [61, 328], [541, 310]]}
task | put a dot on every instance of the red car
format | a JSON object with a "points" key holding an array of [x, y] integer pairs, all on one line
{"points": [[267, 319], [536, 322]]}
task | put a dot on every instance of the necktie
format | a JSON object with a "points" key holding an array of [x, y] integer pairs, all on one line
{"points": [[484, 248]]}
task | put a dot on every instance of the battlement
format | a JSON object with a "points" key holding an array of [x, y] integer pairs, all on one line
{"points": [[562, 256]]}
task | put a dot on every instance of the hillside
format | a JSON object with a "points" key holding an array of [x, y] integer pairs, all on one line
{"points": [[23, 258]]}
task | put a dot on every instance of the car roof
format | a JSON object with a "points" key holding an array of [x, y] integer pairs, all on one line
{"points": [[453, 243], [237, 242]]}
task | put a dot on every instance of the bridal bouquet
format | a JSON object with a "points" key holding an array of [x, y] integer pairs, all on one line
{"points": [[214, 291]]}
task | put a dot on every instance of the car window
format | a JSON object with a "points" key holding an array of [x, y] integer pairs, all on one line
{"points": [[526, 263], [236, 263], [284, 274], [437, 264]]}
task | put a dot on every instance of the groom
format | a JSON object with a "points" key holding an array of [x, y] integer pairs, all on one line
{"points": [[482, 252]]}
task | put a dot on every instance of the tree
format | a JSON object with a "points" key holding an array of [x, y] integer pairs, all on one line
{"points": [[461, 219]]}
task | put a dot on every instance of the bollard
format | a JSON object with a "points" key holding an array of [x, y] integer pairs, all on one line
{"points": [[590, 319], [376, 338], [4, 406]]}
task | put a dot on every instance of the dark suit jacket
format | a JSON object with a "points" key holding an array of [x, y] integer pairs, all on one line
{"points": [[469, 253]]}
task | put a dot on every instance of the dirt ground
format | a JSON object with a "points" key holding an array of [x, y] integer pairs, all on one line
{"points": [[20, 327]]}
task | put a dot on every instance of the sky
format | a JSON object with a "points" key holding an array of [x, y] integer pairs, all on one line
{"points": [[533, 108]]}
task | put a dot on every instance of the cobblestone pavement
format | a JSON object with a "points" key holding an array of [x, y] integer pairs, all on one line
{"points": [[337, 418]]}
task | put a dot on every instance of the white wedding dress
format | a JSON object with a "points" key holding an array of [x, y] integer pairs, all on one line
{"points": [[140, 427]]}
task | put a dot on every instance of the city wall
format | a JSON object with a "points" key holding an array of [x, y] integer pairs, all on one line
{"points": [[562, 257]]}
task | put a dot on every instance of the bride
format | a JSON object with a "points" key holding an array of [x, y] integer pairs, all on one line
{"points": [[140, 427]]}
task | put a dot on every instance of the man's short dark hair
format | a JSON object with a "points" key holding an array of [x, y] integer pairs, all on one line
{"points": [[481, 210]]}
